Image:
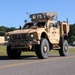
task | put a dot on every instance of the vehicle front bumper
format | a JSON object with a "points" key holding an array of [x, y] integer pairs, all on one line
{"points": [[23, 44]]}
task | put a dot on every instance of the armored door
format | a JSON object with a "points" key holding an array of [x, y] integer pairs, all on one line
{"points": [[54, 33]]}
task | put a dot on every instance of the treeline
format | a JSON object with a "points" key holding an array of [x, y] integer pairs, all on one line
{"points": [[4, 29], [72, 33]]}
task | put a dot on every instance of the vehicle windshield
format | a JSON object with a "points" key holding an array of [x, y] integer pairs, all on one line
{"points": [[28, 26], [40, 24], [31, 25]]}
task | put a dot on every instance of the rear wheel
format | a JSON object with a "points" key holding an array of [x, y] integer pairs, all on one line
{"points": [[63, 51], [13, 53], [42, 50]]}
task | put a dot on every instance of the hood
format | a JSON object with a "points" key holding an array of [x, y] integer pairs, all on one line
{"points": [[25, 31], [18, 31]]}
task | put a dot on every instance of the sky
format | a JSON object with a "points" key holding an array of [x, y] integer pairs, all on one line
{"points": [[14, 12]]}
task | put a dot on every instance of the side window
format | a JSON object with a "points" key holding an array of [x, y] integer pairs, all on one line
{"points": [[57, 25], [51, 25], [54, 25]]}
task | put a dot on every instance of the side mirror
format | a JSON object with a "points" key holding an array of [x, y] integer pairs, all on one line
{"points": [[25, 21], [20, 27]]}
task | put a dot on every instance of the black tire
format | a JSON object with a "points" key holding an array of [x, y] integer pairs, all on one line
{"points": [[42, 50], [63, 51], [13, 53]]}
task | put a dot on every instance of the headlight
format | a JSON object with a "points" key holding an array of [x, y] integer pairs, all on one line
{"points": [[7, 37], [31, 35]]}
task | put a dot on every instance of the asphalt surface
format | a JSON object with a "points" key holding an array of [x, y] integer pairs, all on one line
{"points": [[54, 65]]}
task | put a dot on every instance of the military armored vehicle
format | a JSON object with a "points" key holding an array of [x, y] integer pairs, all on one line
{"points": [[41, 35]]}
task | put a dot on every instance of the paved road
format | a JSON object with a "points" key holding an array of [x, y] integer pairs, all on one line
{"points": [[54, 65]]}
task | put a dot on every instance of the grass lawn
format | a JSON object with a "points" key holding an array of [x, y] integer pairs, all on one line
{"points": [[3, 51]]}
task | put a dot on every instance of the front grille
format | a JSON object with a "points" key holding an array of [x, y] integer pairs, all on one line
{"points": [[19, 36]]}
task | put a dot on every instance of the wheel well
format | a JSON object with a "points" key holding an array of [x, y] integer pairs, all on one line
{"points": [[65, 37], [44, 35]]}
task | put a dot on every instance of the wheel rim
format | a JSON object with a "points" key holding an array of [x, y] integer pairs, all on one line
{"points": [[65, 48], [45, 49]]}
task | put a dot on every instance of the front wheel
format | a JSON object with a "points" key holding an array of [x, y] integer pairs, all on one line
{"points": [[13, 53], [42, 50], [63, 51]]}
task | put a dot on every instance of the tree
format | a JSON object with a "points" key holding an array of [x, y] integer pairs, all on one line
{"points": [[72, 38], [72, 33], [4, 29]]}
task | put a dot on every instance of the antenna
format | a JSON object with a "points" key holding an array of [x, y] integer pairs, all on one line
{"points": [[67, 20], [27, 15]]}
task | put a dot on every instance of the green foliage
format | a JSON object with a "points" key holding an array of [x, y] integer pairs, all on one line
{"points": [[72, 38], [4, 29], [72, 33], [2, 33]]}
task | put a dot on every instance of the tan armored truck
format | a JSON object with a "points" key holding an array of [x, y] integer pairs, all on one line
{"points": [[42, 34]]}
